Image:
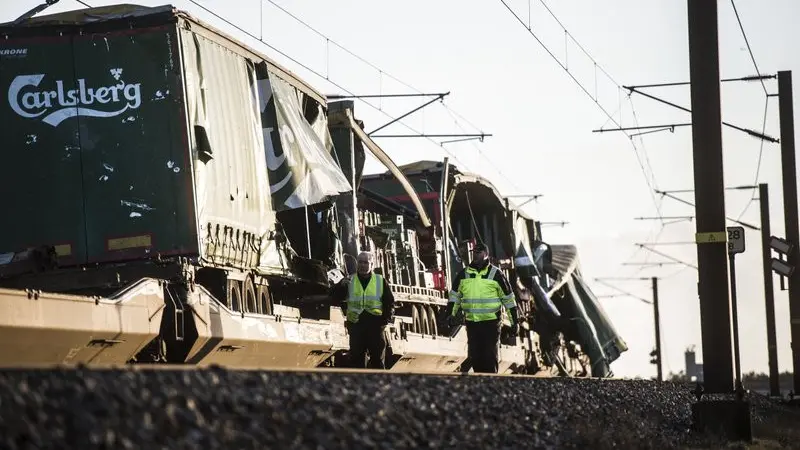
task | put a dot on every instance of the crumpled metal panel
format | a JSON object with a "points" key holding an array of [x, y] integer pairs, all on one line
{"points": [[528, 271], [599, 337], [565, 258], [523, 256], [564, 262], [587, 330], [610, 341]]}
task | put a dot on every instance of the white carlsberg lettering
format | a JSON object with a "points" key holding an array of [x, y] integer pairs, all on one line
{"points": [[63, 103]]}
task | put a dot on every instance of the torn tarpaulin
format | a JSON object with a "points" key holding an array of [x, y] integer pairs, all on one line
{"points": [[301, 169]]}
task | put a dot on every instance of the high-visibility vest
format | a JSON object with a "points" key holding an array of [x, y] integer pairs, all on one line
{"points": [[480, 295], [369, 299]]}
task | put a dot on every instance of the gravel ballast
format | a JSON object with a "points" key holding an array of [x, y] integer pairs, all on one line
{"points": [[215, 408]]}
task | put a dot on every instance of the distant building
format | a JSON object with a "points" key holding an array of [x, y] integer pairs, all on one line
{"points": [[694, 371]]}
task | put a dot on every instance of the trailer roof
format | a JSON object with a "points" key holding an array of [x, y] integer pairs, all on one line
{"points": [[85, 16], [460, 177], [104, 18], [565, 259]]}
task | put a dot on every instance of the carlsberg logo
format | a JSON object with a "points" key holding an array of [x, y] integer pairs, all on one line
{"points": [[62, 103]]}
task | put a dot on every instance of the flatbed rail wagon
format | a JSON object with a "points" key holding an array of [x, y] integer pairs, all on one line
{"points": [[174, 196]]}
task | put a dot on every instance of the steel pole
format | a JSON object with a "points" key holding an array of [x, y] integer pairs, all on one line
{"points": [[735, 313], [657, 319], [710, 196], [789, 170], [769, 297]]}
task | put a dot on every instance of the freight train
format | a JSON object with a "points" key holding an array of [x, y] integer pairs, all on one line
{"points": [[173, 196]]}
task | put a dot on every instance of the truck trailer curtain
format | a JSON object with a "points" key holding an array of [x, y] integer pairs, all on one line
{"points": [[301, 169]]}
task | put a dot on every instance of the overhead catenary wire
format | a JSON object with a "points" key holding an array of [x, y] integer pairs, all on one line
{"points": [[450, 110], [585, 90], [758, 164], [647, 254], [365, 61], [747, 78], [650, 177], [675, 273], [345, 49], [382, 73], [766, 102], [645, 246], [622, 291], [747, 42], [688, 203], [610, 116], [509, 180], [644, 150]]}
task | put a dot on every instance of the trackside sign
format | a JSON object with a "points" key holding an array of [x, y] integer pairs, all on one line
{"points": [[34, 96]]}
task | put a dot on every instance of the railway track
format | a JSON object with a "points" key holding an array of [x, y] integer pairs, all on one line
{"points": [[270, 370], [184, 407]]}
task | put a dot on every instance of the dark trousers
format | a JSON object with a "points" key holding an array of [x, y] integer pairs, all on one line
{"points": [[483, 345], [366, 336]]}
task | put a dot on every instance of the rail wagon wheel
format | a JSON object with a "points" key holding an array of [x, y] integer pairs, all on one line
{"points": [[416, 323], [433, 326], [250, 295], [424, 319], [234, 295], [263, 300], [524, 307]]}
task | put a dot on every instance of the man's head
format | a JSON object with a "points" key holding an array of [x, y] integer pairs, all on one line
{"points": [[480, 252], [364, 260]]}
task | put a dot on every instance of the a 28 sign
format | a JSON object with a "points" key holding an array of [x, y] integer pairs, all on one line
{"points": [[735, 240]]}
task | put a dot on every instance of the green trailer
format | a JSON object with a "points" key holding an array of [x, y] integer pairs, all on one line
{"points": [[143, 144], [140, 131]]}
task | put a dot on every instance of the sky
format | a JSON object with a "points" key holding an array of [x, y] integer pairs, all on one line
{"points": [[540, 101]]}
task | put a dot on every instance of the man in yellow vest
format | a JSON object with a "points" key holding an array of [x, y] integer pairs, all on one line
{"points": [[481, 291], [368, 304]]}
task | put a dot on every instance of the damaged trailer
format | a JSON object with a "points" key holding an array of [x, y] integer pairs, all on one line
{"points": [[188, 200], [148, 144], [559, 309]]}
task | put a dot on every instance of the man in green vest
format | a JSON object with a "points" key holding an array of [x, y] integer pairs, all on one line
{"points": [[482, 291], [368, 305]]}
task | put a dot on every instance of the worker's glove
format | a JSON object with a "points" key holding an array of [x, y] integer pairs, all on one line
{"points": [[515, 328], [452, 321]]}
